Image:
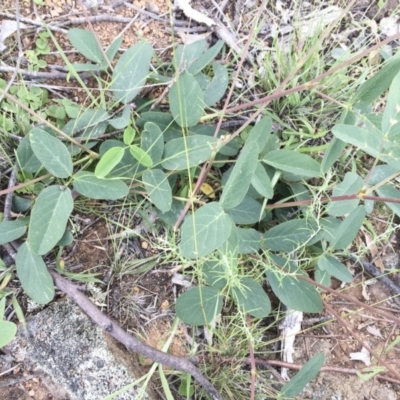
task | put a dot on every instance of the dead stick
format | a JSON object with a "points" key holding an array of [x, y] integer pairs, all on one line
{"points": [[130, 342]]}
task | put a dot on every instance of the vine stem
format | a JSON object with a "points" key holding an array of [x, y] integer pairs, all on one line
{"points": [[333, 198]]}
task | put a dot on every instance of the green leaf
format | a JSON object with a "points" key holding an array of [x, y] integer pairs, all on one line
{"points": [[335, 268], [329, 227], [204, 231], [391, 115], [322, 277], [216, 88], [141, 156], [186, 55], [21, 204], [239, 180], [123, 120], [26, 157], [351, 184], [8, 330], [380, 173], [199, 306], [11, 230], [291, 291], [85, 42], [289, 235], [229, 250], [49, 218], [261, 182], [251, 298], [108, 161], [33, 275], [171, 130], [206, 58], [260, 133], [293, 162], [158, 188], [249, 211], [127, 167], [332, 153], [187, 152], [369, 91], [309, 371], [131, 71], [348, 229], [66, 239], [368, 140], [129, 135], [249, 241], [215, 274], [186, 388], [82, 67], [51, 152], [389, 191], [113, 48], [186, 100], [152, 141], [88, 185], [90, 124]]}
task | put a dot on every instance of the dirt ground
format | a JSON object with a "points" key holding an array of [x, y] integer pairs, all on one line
{"points": [[153, 292]]}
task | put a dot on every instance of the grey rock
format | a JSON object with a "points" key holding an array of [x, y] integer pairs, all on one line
{"points": [[65, 344]]}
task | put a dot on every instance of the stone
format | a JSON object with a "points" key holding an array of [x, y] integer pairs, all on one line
{"points": [[82, 360]]}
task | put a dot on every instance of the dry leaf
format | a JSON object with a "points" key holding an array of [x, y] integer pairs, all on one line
{"points": [[208, 190], [363, 356], [374, 251], [373, 330], [188, 38], [389, 26], [290, 327], [7, 28], [191, 13]]}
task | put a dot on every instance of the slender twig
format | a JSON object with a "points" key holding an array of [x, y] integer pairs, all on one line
{"points": [[100, 18], [9, 196], [253, 369], [332, 198], [41, 74], [130, 342], [278, 363], [33, 22]]}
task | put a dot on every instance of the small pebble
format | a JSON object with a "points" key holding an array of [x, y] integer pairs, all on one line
{"points": [[151, 7]]}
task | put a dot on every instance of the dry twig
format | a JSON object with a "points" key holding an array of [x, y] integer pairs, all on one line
{"points": [[130, 342]]}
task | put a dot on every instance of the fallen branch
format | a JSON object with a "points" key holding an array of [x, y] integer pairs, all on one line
{"points": [[130, 342]]}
